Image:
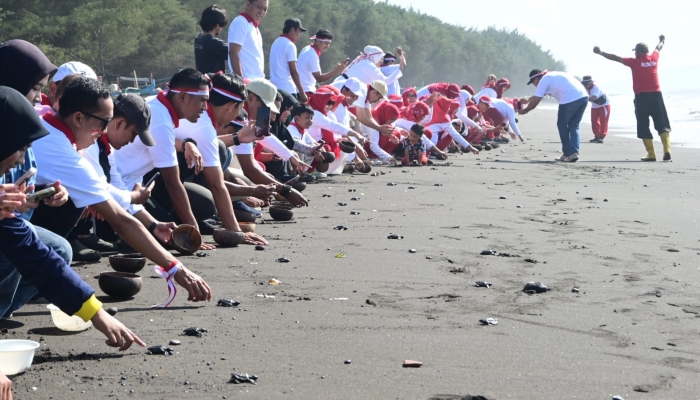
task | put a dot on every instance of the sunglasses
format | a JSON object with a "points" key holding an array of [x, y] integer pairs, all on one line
{"points": [[104, 121]]}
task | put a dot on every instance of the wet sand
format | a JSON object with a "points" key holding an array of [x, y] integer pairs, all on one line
{"points": [[631, 249]]}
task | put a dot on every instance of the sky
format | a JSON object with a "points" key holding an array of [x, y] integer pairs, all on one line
{"points": [[569, 29]]}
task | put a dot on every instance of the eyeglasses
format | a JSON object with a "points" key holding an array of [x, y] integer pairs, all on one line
{"points": [[105, 121]]}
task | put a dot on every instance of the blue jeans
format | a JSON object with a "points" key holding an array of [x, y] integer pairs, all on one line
{"points": [[568, 121], [15, 291]]}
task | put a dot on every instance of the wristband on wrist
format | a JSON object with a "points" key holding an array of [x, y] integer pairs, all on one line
{"points": [[153, 226], [236, 140], [184, 142], [168, 273], [286, 190]]}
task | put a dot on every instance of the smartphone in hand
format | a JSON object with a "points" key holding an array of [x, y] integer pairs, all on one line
{"points": [[25, 177], [42, 194], [262, 123]]}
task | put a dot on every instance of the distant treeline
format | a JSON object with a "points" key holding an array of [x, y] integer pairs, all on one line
{"points": [[156, 36]]}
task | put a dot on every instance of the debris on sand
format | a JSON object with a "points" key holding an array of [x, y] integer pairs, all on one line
{"points": [[535, 287], [483, 284], [412, 364], [243, 378], [488, 252], [488, 321], [160, 350], [394, 236], [227, 303], [194, 332]]}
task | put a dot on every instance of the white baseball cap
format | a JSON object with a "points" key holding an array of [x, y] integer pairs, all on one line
{"points": [[354, 85], [73, 67], [266, 91]]}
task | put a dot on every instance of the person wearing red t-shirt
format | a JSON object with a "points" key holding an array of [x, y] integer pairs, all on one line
{"points": [[648, 101]]}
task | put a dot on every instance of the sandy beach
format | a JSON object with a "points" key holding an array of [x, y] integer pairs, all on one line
{"points": [[621, 231]]}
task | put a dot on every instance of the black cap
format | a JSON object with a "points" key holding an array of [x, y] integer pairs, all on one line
{"points": [[534, 74], [294, 23], [138, 112]]}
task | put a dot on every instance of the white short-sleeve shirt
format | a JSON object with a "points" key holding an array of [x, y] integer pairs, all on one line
{"points": [[309, 62], [204, 133], [367, 72], [245, 34], [282, 52], [487, 91], [137, 159], [389, 70], [562, 86], [595, 91], [57, 159]]}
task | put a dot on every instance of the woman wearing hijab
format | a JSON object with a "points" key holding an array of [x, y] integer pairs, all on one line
{"points": [[26, 69], [383, 146], [23, 256], [502, 85], [489, 89], [409, 96], [279, 126]]}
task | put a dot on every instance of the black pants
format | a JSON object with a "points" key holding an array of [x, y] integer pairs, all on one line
{"points": [[59, 220], [161, 207], [650, 105]]}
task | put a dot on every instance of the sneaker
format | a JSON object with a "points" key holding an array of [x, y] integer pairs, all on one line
{"points": [[319, 175], [241, 206], [667, 156], [572, 158], [82, 253], [594, 140], [307, 178], [95, 243], [600, 140], [562, 158]]}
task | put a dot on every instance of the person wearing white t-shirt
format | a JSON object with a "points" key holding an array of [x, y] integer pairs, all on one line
{"points": [[283, 60], [186, 98], [262, 93], [245, 45], [309, 63], [85, 112], [572, 98], [600, 109], [225, 102], [389, 67]]}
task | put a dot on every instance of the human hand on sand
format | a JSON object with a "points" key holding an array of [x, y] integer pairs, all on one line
{"points": [[252, 238], [197, 288], [117, 334]]}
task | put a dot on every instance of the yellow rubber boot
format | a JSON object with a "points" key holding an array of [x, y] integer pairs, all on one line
{"points": [[649, 145], [666, 140]]}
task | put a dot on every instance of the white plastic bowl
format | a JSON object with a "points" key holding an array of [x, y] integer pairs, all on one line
{"points": [[66, 322], [16, 355]]}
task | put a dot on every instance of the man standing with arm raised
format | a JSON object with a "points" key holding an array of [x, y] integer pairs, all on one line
{"points": [[245, 46], [648, 100]]}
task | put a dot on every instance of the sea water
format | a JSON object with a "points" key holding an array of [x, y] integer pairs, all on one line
{"points": [[683, 110]]}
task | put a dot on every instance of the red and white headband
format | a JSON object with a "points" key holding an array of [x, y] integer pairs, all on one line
{"points": [[227, 94], [320, 40], [194, 92]]}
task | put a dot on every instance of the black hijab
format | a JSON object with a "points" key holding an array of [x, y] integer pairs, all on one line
{"points": [[20, 125], [279, 128], [22, 65]]}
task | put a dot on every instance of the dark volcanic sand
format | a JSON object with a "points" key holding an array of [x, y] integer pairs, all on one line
{"points": [[634, 294]]}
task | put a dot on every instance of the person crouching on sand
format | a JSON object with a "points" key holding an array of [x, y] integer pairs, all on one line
{"points": [[414, 148], [600, 109]]}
